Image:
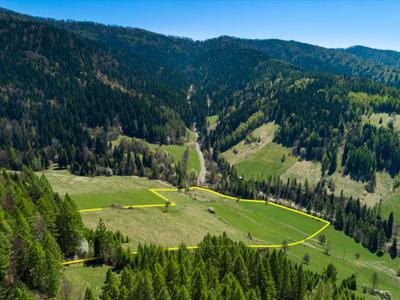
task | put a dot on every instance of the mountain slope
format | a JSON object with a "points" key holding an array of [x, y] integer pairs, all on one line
{"points": [[385, 57], [55, 86], [319, 59]]}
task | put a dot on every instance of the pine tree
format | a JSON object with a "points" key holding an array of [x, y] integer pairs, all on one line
{"points": [[183, 294], [164, 295], [35, 277], [110, 290], [172, 276], [390, 222], [393, 249], [89, 294], [54, 267], [241, 273], [198, 285], [330, 273], [252, 295], [158, 279], [238, 293], [339, 223], [69, 224], [123, 293], [5, 256], [146, 290]]}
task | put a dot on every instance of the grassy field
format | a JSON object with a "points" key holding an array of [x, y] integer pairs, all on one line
{"points": [[80, 277], [392, 203], [64, 182], [189, 221], [343, 257], [177, 152], [266, 162], [260, 158], [376, 118], [264, 222], [212, 122], [98, 200], [384, 186]]}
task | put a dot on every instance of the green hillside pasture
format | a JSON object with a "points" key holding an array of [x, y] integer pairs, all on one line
{"points": [[266, 162], [177, 151], [392, 204], [102, 200], [311, 171], [212, 122], [342, 256], [375, 119], [80, 277], [242, 151], [187, 222], [62, 182], [267, 223], [249, 217]]}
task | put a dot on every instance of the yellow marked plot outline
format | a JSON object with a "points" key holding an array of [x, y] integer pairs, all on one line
{"points": [[172, 203]]}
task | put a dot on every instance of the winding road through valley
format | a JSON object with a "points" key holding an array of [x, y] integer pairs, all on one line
{"points": [[202, 176]]}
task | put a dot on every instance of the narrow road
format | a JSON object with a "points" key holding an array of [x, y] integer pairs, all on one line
{"points": [[202, 176]]}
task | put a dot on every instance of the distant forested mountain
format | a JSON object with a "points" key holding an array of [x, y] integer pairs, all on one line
{"points": [[68, 87], [385, 57], [319, 59]]}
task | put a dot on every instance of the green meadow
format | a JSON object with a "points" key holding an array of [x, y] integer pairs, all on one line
{"points": [[189, 221], [101, 200]]}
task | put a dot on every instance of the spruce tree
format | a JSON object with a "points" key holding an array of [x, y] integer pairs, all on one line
{"points": [[393, 248], [241, 273], [89, 294], [164, 294], [199, 287], [69, 224], [5, 256], [183, 294]]}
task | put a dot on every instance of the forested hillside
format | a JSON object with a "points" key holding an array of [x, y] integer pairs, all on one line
{"points": [[69, 88], [373, 66], [385, 57], [57, 87], [38, 229]]}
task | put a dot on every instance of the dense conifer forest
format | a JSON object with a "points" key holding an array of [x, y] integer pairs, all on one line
{"points": [[219, 269], [38, 230]]}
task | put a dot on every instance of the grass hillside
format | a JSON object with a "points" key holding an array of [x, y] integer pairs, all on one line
{"points": [[212, 122], [383, 119], [189, 221], [263, 157], [258, 156]]}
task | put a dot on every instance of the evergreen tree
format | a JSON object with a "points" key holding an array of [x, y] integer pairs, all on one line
{"points": [[89, 294], [183, 294], [69, 224], [241, 273], [199, 288], [5, 256], [393, 249], [164, 295]]}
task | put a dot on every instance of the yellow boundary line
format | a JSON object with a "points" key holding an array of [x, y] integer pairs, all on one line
{"points": [[172, 203]]}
